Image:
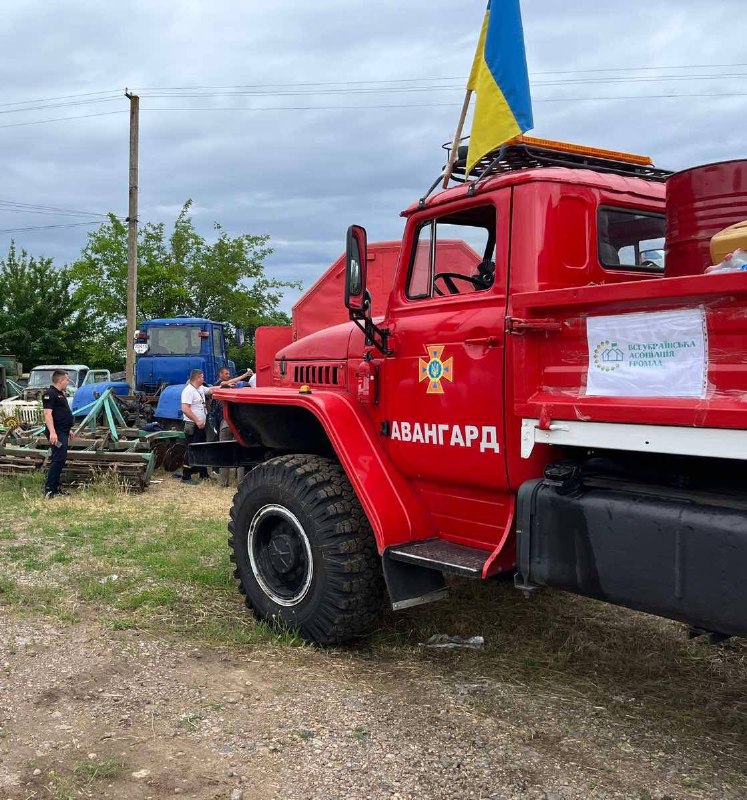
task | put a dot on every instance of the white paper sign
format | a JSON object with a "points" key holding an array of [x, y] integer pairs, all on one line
{"points": [[652, 354]]}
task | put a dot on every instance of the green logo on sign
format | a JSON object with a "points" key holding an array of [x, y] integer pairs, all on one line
{"points": [[608, 356]]}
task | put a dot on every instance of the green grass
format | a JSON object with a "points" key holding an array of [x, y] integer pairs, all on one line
{"points": [[15, 485], [136, 563], [190, 721], [90, 771], [22, 552], [29, 557], [45, 600], [99, 589], [359, 733], [81, 780], [61, 556], [163, 597]]}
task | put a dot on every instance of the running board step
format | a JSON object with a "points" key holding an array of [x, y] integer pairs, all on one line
{"points": [[441, 555]]}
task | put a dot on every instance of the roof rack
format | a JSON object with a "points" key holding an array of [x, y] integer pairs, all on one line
{"points": [[526, 152]]}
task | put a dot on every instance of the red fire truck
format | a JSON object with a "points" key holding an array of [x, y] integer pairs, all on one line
{"points": [[570, 410]]}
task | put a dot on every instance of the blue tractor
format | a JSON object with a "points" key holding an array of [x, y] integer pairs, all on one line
{"points": [[166, 351]]}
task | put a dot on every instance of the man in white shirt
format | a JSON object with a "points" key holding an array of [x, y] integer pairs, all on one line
{"points": [[194, 414]]}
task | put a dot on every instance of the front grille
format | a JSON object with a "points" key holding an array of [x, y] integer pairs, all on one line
{"points": [[319, 375]]}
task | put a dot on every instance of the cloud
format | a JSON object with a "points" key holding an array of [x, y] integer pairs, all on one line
{"points": [[303, 176]]}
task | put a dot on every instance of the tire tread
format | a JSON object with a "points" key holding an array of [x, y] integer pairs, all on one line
{"points": [[354, 595]]}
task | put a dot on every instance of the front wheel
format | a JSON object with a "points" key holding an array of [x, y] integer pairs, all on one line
{"points": [[304, 551]]}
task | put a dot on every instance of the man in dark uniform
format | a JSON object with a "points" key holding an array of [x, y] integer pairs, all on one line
{"points": [[59, 421]]}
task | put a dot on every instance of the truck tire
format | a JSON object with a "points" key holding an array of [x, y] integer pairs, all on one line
{"points": [[304, 551]]}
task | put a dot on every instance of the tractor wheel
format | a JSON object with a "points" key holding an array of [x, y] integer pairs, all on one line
{"points": [[304, 551], [174, 457], [159, 452]]}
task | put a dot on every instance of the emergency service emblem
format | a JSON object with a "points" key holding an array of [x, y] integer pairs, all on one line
{"points": [[435, 369]]}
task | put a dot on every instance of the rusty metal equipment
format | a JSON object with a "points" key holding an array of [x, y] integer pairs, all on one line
{"points": [[102, 445]]}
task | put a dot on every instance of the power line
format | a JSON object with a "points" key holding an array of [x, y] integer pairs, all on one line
{"points": [[12, 210], [447, 78], [637, 69], [34, 208], [340, 89], [397, 90], [61, 105], [401, 89], [62, 119], [642, 79], [47, 227], [239, 92], [301, 108], [118, 92], [434, 105], [363, 91], [637, 98], [374, 86], [673, 95], [51, 209]]}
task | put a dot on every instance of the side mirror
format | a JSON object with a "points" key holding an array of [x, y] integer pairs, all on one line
{"points": [[239, 337], [356, 262]]}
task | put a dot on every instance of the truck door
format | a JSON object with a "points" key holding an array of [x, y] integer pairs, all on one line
{"points": [[442, 389], [217, 358]]}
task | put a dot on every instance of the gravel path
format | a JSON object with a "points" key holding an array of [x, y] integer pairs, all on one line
{"points": [[90, 712]]}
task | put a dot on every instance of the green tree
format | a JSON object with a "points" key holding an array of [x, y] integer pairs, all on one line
{"points": [[41, 319], [178, 273]]}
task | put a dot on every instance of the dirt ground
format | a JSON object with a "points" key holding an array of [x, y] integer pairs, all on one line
{"points": [[89, 708]]}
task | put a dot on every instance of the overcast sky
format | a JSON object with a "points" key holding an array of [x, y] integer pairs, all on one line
{"points": [[367, 140]]}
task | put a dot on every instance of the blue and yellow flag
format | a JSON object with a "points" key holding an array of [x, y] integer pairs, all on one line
{"points": [[499, 78]]}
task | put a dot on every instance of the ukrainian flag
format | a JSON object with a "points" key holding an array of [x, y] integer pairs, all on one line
{"points": [[499, 78]]}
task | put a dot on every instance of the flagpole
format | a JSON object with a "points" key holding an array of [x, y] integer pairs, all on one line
{"points": [[457, 136]]}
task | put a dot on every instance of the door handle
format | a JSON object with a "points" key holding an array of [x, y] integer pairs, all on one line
{"points": [[519, 326], [487, 341]]}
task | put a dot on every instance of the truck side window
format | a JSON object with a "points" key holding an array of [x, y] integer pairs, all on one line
{"points": [[453, 255], [630, 240]]}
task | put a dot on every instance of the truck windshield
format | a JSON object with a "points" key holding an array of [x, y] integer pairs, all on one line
{"points": [[40, 378], [175, 340]]}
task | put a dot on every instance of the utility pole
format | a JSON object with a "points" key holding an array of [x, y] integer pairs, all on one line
{"points": [[132, 239]]}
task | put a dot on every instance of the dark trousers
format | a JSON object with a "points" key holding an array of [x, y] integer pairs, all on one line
{"points": [[211, 432], [226, 435], [195, 435], [57, 463]]}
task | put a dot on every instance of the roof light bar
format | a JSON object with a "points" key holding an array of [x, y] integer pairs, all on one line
{"points": [[578, 149]]}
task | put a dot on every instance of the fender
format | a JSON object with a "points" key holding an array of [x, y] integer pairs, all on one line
{"points": [[91, 391], [170, 403], [275, 417]]}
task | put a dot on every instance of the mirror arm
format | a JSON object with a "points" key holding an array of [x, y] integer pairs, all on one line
{"points": [[374, 335]]}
